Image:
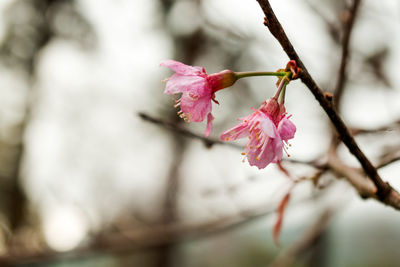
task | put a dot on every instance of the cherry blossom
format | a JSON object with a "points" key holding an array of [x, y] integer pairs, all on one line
{"points": [[197, 90], [268, 129]]}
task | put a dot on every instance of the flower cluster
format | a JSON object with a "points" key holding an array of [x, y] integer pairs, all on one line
{"points": [[268, 127]]}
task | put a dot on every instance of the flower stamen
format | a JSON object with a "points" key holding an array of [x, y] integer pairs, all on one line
{"points": [[177, 104], [268, 130]]}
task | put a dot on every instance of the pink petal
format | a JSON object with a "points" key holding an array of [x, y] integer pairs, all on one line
{"points": [[198, 108], [278, 150], [236, 132], [179, 83], [273, 149], [252, 158], [210, 118], [286, 129], [183, 69], [265, 144], [268, 126]]}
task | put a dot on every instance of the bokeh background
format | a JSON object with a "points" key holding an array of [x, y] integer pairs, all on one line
{"points": [[86, 181]]}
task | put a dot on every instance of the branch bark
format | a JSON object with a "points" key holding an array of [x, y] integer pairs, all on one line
{"points": [[342, 76], [208, 142], [129, 241], [305, 242], [385, 193]]}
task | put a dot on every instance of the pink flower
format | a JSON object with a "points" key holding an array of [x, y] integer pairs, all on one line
{"points": [[197, 88], [268, 129]]}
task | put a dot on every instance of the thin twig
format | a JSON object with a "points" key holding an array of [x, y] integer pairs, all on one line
{"points": [[389, 156], [354, 176], [133, 240], [287, 256], [387, 161], [331, 25], [208, 142], [342, 76], [386, 194], [383, 129]]}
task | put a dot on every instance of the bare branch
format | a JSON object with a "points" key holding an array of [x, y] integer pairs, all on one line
{"points": [[208, 142], [365, 187], [342, 76], [153, 237], [288, 256], [386, 128], [384, 189], [390, 156]]}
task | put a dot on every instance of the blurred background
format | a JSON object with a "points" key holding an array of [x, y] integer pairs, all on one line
{"points": [[92, 172]]}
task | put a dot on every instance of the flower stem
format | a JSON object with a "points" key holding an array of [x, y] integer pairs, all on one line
{"points": [[282, 96], [282, 85], [259, 73]]}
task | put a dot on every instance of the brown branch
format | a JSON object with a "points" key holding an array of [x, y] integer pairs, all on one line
{"points": [[385, 191], [387, 161], [365, 187], [386, 128], [208, 142], [331, 25], [145, 238], [132, 240], [310, 237], [342, 77], [354, 176], [390, 156]]}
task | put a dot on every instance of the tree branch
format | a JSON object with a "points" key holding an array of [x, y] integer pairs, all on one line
{"points": [[342, 77], [385, 128], [129, 241], [311, 235], [208, 142], [355, 177], [385, 191], [390, 156]]}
